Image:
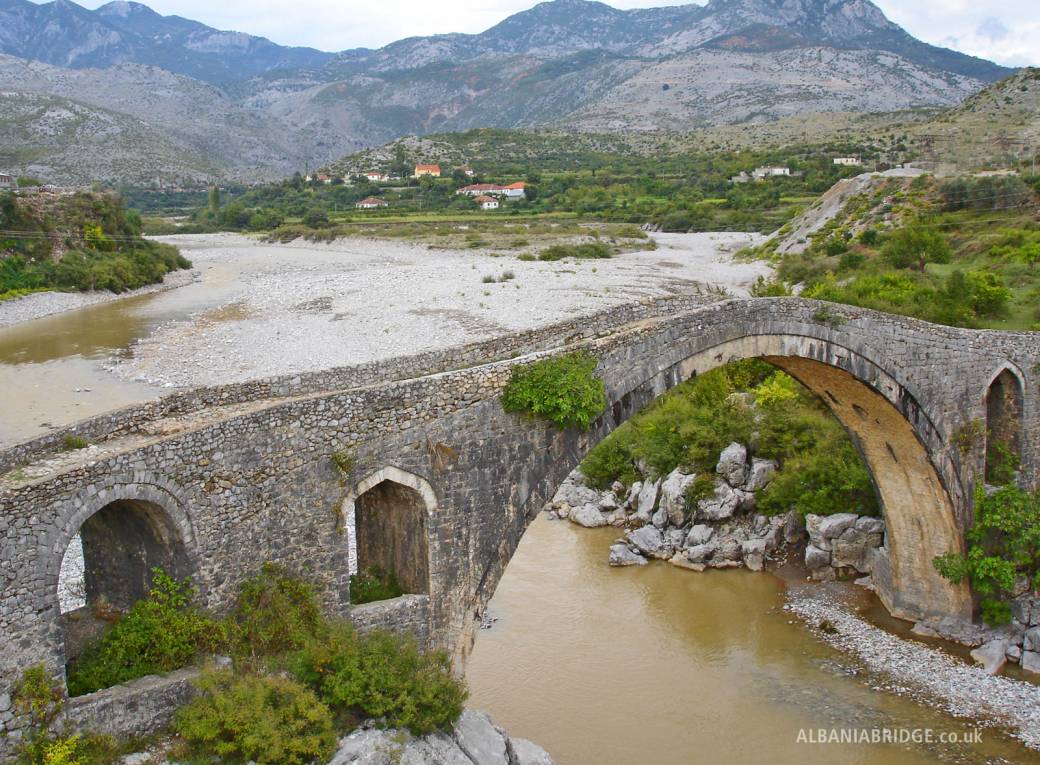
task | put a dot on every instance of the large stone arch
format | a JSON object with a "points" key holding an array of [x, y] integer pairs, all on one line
{"points": [[387, 516], [905, 451]]}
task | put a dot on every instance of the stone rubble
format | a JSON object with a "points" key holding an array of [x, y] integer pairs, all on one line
{"points": [[722, 529]]}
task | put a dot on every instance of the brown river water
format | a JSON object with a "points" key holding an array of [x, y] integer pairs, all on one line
{"points": [[634, 666], [660, 666]]}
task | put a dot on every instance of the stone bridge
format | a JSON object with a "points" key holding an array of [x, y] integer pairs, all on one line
{"points": [[413, 464]]}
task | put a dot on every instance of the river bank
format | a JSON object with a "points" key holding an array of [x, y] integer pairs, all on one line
{"points": [[42, 304]]}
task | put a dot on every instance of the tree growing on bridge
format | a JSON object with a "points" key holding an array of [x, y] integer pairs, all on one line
{"points": [[1003, 548], [562, 389]]}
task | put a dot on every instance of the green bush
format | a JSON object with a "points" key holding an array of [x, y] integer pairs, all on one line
{"points": [[372, 584], [562, 389], [914, 246], [266, 720], [1003, 547], [275, 613], [161, 633], [382, 676], [590, 251]]}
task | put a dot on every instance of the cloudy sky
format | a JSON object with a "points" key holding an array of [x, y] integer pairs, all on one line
{"points": [[1007, 31]]}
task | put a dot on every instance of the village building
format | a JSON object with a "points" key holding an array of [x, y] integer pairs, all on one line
{"points": [[515, 191], [770, 171], [848, 161], [480, 189], [6, 181], [370, 203], [467, 171], [433, 171], [375, 176], [322, 178], [487, 203]]}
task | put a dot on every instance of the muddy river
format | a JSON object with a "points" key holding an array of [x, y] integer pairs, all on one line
{"points": [[659, 666]]}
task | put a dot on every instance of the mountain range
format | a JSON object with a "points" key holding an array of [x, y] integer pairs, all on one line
{"points": [[122, 93]]}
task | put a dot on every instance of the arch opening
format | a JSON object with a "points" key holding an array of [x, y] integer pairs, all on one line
{"points": [[108, 566], [389, 524], [1004, 400]]}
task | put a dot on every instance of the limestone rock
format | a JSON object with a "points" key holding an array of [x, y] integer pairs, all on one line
{"points": [[794, 527], [761, 474], [1026, 610], [632, 500], [992, 655], [699, 535], [368, 747], [870, 525], [621, 555], [832, 526], [608, 502], [648, 540], [1014, 653], [575, 493], [721, 505], [660, 518], [675, 539], [754, 554], [480, 740], [731, 550], [673, 496], [816, 559], [733, 464], [700, 553], [647, 501], [435, 749], [588, 516], [850, 550], [524, 752], [1031, 640], [1030, 661], [680, 560]]}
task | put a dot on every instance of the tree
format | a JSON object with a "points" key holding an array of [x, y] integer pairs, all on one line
{"points": [[915, 246], [214, 199]]}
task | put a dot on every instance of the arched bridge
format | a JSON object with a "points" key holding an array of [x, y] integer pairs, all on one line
{"points": [[414, 465]]}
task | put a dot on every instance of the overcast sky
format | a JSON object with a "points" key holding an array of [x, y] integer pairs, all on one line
{"points": [[1007, 31]]}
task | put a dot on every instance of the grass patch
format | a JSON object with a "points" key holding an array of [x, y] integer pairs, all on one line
{"points": [[588, 251]]}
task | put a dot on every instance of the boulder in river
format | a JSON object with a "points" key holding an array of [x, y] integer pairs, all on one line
{"points": [[992, 655], [621, 555], [673, 497], [588, 515], [648, 540], [699, 534]]}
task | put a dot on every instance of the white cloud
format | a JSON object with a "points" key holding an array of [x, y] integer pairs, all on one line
{"points": [[1008, 32]]}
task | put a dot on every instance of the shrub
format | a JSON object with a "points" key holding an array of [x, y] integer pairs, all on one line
{"points": [[161, 633], [72, 442], [381, 675], [344, 460], [1003, 547], [275, 613], [372, 584], [592, 250], [562, 389], [38, 695], [611, 460], [266, 720], [770, 288], [914, 246]]}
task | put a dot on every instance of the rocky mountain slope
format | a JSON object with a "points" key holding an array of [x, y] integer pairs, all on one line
{"points": [[244, 108]]}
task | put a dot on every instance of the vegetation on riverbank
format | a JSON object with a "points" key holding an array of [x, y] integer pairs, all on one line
{"points": [[748, 402], [82, 241], [962, 252], [296, 682]]}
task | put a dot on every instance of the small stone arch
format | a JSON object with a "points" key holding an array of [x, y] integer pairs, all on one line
{"points": [[113, 539], [1004, 400], [387, 518]]}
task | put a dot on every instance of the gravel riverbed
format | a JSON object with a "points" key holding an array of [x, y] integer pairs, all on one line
{"points": [[916, 670], [304, 306]]}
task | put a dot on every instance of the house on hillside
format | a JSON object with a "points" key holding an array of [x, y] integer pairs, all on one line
{"points": [[742, 178], [6, 181], [515, 191], [487, 203], [433, 171], [376, 177], [468, 171], [770, 171], [323, 178], [371, 203], [480, 189], [848, 161]]}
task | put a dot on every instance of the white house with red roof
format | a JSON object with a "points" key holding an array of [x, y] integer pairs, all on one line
{"points": [[487, 203], [370, 203], [515, 191], [433, 171], [376, 177]]}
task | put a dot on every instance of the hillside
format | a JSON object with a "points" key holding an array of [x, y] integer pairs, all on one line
{"points": [[246, 109]]}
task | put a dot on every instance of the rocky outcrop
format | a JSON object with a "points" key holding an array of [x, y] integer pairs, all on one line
{"points": [[674, 519], [475, 741]]}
